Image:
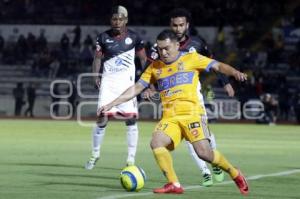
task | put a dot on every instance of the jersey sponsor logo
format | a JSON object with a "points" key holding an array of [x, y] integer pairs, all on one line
{"points": [[194, 125], [169, 93], [118, 61], [109, 41], [175, 80], [195, 133], [158, 72], [192, 49], [116, 70], [128, 41]]}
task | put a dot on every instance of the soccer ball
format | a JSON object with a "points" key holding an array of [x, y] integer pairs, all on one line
{"points": [[132, 178]]}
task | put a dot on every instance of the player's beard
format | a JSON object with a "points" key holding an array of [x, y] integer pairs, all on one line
{"points": [[181, 37]]}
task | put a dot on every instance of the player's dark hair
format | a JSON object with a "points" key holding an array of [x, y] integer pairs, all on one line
{"points": [[180, 12], [167, 34], [114, 10]]}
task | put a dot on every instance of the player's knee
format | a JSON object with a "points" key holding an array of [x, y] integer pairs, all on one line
{"points": [[130, 122], [204, 152], [159, 140], [101, 122], [155, 142], [206, 156]]}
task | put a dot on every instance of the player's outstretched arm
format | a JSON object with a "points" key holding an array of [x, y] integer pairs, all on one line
{"points": [[143, 57], [229, 90], [224, 82], [130, 93], [230, 71], [96, 68]]}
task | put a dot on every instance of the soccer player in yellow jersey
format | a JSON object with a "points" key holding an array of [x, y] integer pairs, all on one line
{"points": [[176, 74]]}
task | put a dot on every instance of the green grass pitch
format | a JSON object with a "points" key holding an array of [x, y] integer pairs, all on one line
{"points": [[44, 159]]}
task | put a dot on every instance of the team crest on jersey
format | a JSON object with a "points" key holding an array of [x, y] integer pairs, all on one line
{"points": [[109, 41], [170, 70], [192, 49], [128, 41], [158, 72], [180, 66]]}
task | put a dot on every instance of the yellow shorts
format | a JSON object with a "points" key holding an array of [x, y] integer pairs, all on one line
{"points": [[192, 128]]}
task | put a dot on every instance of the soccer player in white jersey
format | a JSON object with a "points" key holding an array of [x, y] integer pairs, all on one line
{"points": [[115, 71]]}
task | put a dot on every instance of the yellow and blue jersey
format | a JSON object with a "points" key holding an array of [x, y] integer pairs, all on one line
{"points": [[177, 83]]}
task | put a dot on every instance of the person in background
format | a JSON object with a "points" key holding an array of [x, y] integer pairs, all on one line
{"points": [[114, 59], [271, 108], [31, 95], [77, 37], [18, 94]]}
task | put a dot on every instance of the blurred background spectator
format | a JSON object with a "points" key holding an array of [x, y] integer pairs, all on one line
{"points": [[18, 94], [271, 109], [31, 95]]}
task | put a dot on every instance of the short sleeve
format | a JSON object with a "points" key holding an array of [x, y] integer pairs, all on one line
{"points": [[146, 77], [140, 44], [99, 46], [205, 63]]}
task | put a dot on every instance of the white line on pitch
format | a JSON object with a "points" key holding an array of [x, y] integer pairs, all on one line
{"points": [[256, 177]]}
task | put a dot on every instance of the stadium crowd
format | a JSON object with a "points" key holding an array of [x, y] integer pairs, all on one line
{"points": [[206, 12]]}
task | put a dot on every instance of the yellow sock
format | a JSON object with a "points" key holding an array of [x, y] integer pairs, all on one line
{"points": [[220, 161], [165, 162]]}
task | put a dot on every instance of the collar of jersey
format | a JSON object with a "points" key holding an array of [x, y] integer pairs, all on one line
{"points": [[184, 43], [121, 36], [178, 56]]}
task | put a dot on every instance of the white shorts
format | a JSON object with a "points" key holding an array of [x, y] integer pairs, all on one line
{"points": [[110, 90]]}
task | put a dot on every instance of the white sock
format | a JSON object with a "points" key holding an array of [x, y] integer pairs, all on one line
{"points": [[98, 135], [200, 163], [132, 140], [213, 143]]}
